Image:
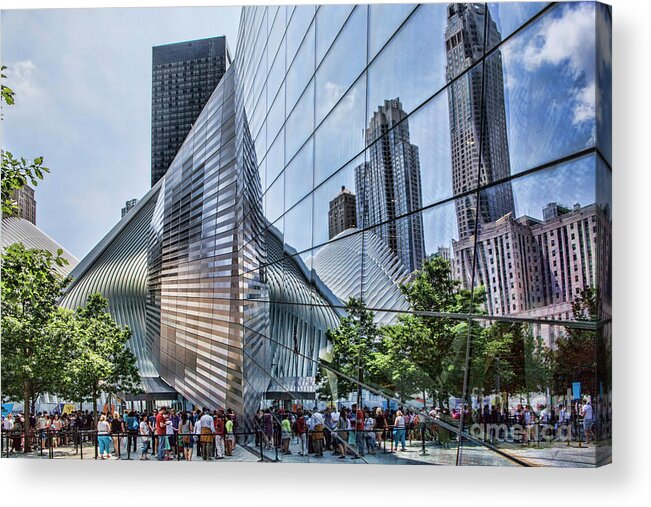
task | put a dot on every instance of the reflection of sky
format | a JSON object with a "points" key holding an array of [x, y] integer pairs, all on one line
{"points": [[549, 76], [567, 184]]}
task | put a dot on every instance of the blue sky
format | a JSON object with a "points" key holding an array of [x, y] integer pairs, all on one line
{"points": [[83, 100]]}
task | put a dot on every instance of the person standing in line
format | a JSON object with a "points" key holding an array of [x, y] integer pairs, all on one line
{"points": [[588, 421], [161, 434], [369, 433], [55, 428], [229, 427], [207, 435], [145, 432], [186, 436], [399, 428], [19, 427], [301, 432], [359, 429], [117, 427], [219, 434], [133, 424], [104, 438], [267, 428], [286, 429], [317, 438]]}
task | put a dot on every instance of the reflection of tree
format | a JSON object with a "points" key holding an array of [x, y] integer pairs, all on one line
{"points": [[425, 353], [575, 353], [354, 344]]}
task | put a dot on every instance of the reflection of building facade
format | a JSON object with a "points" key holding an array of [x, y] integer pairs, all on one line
{"points": [[25, 203], [361, 265], [480, 152], [128, 206], [388, 185], [341, 213], [184, 74], [534, 268]]}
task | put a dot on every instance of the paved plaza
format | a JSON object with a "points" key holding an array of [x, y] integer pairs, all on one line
{"points": [[551, 454]]}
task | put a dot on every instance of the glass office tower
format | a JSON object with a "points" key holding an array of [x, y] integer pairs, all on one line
{"points": [[246, 287]]}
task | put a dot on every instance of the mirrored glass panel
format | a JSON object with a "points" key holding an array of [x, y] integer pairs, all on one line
{"points": [[298, 25], [298, 177], [341, 135], [298, 233], [509, 17], [301, 70], [412, 67], [384, 20], [559, 118], [329, 20], [528, 387], [300, 123], [333, 78]]}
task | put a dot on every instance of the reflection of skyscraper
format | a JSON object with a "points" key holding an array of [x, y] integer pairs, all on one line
{"points": [[476, 148], [184, 75], [341, 215], [388, 185]]}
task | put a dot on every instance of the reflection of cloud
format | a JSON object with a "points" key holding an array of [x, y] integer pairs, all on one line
{"points": [[21, 78], [565, 40], [332, 94]]}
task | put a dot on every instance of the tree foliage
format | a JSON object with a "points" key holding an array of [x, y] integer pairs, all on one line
{"points": [[354, 343], [33, 349], [102, 361]]}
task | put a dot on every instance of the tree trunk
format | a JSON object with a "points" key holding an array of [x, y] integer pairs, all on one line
{"points": [[26, 425], [94, 408]]}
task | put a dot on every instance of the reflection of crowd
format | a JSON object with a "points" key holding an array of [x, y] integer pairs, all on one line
{"points": [[578, 417], [351, 432]]}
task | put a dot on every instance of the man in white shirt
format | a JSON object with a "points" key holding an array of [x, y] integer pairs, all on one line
{"points": [[315, 424], [207, 432], [8, 423]]}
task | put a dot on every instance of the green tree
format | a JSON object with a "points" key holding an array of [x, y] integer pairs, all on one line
{"points": [[102, 361], [33, 348], [16, 172], [354, 343]]}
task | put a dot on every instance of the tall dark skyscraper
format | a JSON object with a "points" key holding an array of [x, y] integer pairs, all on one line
{"points": [[480, 153], [184, 76], [341, 214], [388, 185]]}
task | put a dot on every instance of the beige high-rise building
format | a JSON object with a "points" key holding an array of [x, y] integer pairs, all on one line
{"points": [[26, 204]]}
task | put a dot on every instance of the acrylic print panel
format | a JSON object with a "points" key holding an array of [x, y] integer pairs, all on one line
{"points": [[364, 234]]}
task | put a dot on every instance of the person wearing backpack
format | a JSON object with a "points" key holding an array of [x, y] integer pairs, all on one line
{"points": [[133, 426]]}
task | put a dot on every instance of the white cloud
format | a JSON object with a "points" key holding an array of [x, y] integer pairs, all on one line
{"points": [[569, 40]]}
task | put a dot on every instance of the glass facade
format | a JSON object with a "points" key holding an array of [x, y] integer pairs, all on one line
{"points": [[447, 166]]}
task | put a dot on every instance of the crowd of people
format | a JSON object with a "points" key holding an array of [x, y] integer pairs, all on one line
{"points": [[171, 434]]}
